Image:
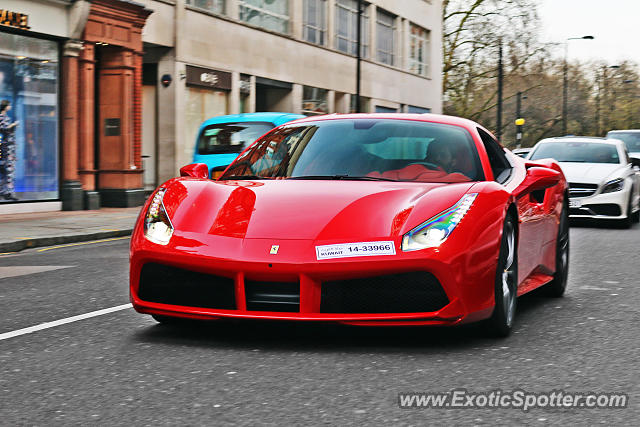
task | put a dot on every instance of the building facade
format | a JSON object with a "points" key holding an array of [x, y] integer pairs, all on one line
{"points": [[72, 72], [211, 57], [109, 94]]}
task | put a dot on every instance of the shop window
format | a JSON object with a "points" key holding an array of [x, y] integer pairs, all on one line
{"points": [[29, 83], [314, 101], [215, 6], [314, 25], [268, 14], [419, 45], [347, 28], [386, 37]]}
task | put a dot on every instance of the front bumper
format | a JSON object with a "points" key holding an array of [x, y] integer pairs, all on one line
{"points": [[600, 206], [308, 289]]}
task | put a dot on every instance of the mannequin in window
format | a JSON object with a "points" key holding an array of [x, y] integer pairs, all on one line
{"points": [[7, 152]]}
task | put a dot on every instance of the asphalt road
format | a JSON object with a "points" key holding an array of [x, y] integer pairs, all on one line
{"points": [[122, 368]]}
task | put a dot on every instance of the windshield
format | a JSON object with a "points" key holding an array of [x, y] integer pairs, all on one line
{"points": [[230, 137], [630, 139], [580, 152], [367, 149]]}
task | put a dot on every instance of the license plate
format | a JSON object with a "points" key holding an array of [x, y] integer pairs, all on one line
{"points": [[575, 203], [347, 250]]}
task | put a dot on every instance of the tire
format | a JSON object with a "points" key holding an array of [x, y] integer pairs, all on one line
{"points": [[167, 320], [506, 282], [558, 285], [635, 217]]}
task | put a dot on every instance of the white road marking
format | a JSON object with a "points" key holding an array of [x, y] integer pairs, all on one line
{"points": [[23, 270], [55, 323]]}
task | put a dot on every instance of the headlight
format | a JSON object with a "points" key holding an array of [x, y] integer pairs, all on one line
{"points": [[613, 186], [434, 232], [157, 225]]}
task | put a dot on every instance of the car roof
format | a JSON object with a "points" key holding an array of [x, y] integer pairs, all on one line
{"points": [[624, 131], [588, 139], [253, 117]]}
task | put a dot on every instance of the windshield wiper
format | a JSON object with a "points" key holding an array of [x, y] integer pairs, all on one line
{"points": [[342, 177], [224, 178]]}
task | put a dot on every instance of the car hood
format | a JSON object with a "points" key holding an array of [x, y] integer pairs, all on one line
{"points": [[590, 173], [297, 209]]}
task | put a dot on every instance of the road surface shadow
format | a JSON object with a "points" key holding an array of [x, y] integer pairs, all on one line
{"points": [[599, 224], [312, 336]]}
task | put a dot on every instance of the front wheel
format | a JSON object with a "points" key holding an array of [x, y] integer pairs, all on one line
{"points": [[167, 320], [558, 285], [506, 283]]}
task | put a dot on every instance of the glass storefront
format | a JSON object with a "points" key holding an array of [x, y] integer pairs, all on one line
{"points": [[29, 84], [201, 104]]}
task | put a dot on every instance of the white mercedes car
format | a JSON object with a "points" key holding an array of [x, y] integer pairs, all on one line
{"points": [[604, 182]]}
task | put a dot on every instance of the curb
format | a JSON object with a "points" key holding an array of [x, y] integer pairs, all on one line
{"points": [[37, 242]]}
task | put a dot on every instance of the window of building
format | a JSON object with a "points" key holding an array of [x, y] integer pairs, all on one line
{"points": [[314, 27], [268, 14], [364, 104], [314, 101], [216, 6], [381, 109], [347, 27], [419, 47], [417, 110], [28, 149], [386, 37]]}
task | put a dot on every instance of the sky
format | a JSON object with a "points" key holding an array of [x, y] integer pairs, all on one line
{"points": [[615, 24]]}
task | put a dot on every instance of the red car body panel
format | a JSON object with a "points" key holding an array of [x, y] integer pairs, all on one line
{"points": [[226, 228]]}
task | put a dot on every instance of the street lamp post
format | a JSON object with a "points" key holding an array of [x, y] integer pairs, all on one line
{"points": [[602, 86], [565, 81]]}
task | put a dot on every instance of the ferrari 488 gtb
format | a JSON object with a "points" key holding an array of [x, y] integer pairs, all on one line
{"points": [[396, 219]]}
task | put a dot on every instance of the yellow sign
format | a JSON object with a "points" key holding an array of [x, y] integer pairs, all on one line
{"points": [[14, 19], [519, 122]]}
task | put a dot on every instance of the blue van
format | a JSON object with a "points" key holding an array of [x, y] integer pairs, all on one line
{"points": [[220, 139]]}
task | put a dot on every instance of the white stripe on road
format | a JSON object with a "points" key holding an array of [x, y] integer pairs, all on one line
{"points": [[55, 323]]}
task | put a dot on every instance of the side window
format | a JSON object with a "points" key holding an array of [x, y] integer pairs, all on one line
{"points": [[499, 163]]}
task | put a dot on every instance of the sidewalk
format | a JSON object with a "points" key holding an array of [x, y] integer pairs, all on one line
{"points": [[22, 231]]}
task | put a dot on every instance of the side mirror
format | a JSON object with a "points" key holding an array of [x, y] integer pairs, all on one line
{"points": [[635, 163], [538, 178], [195, 170]]}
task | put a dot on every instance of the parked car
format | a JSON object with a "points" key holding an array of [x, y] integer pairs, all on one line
{"points": [[363, 219], [631, 139], [220, 139], [603, 183]]}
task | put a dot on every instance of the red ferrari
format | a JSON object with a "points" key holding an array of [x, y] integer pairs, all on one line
{"points": [[362, 219]]}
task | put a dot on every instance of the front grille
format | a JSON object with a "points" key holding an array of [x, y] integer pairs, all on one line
{"points": [[608, 209], [272, 296], [582, 190], [395, 293], [604, 209], [176, 286]]}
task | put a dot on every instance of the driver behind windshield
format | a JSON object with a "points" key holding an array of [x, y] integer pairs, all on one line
{"points": [[439, 154]]}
